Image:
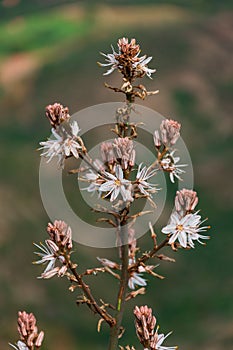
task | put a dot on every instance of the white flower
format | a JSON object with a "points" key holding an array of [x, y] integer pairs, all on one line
{"points": [[185, 229], [50, 254], [141, 65], [64, 143], [143, 174], [135, 277], [19, 345], [136, 280], [95, 181], [108, 263], [160, 339], [169, 164], [117, 185], [111, 61]]}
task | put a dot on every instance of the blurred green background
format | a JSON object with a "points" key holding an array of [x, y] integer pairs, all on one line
{"points": [[48, 53]]}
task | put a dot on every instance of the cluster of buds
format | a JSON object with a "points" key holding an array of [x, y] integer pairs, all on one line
{"points": [[66, 141], [57, 114], [56, 249], [61, 234], [164, 140], [121, 152], [28, 331], [170, 132], [184, 225], [148, 336], [185, 201]]}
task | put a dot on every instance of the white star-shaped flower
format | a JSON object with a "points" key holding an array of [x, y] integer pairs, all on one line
{"points": [[141, 65], [116, 184], [169, 164], [159, 341], [143, 174], [64, 143], [49, 253], [186, 229]]}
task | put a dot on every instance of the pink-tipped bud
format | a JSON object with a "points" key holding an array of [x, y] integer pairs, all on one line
{"points": [[107, 153], [39, 339], [170, 132], [145, 324], [157, 140], [124, 151], [186, 201]]}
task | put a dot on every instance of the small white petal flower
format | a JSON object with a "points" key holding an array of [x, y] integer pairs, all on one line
{"points": [[143, 174], [19, 345], [108, 263], [136, 280], [115, 185], [169, 164], [141, 65], [94, 180], [186, 229], [49, 254], [64, 143], [160, 339], [111, 61]]}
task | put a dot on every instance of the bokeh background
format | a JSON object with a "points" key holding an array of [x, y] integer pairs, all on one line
{"points": [[48, 53]]}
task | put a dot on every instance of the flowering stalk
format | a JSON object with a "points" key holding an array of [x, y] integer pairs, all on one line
{"points": [[118, 178]]}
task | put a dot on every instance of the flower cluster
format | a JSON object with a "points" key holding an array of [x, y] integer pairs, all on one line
{"points": [[127, 60], [164, 140], [115, 184], [55, 250], [65, 141], [148, 336], [28, 331], [184, 225]]}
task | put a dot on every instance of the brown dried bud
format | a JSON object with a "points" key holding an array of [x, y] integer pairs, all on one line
{"points": [[57, 114], [60, 233], [185, 201], [128, 49]]}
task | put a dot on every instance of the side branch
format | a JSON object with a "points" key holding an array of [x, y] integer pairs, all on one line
{"points": [[92, 304]]}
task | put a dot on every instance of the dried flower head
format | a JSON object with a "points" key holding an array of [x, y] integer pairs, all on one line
{"points": [[57, 114], [127, 60]]}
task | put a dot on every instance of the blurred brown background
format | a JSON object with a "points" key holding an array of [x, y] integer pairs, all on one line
{"points": [[48, 53]]}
